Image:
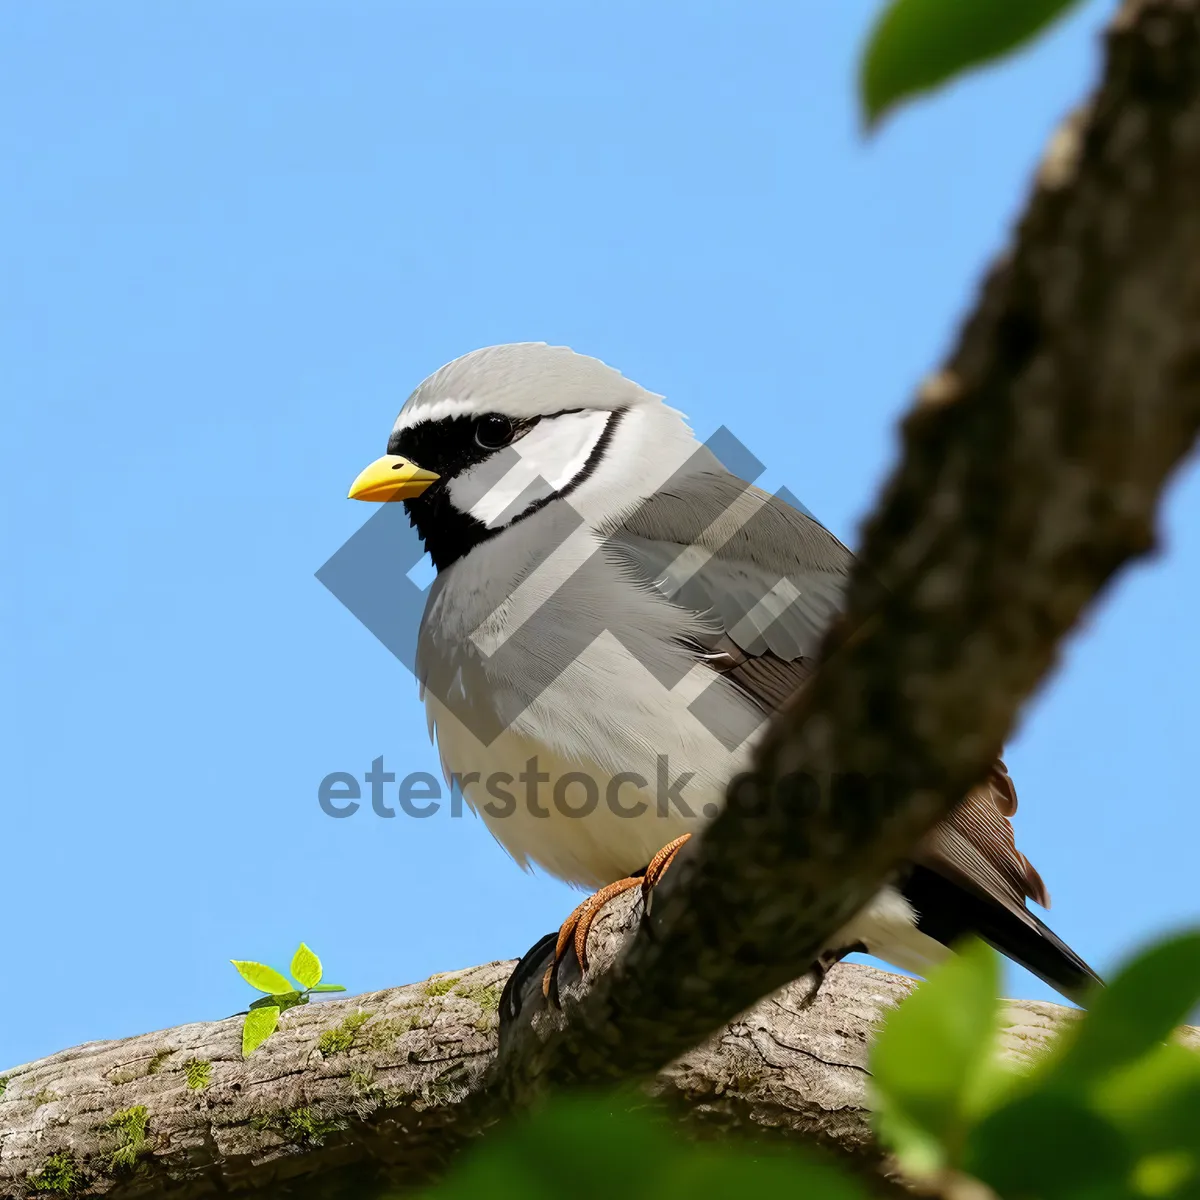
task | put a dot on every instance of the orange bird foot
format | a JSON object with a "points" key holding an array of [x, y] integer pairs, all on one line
{"points": [[574, 932], [658, 867]]}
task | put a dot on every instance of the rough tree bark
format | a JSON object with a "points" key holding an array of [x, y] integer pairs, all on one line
{"points": [[1031, 471], [389, 1080]]}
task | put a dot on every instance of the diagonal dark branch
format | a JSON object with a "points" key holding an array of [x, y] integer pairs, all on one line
{"points": [[1031, 472]]}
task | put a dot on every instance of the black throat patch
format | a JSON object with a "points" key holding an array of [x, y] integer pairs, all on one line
{"points": [[448, 447]]}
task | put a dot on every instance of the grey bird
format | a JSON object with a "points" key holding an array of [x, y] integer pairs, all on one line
{"points": [[615, 616]]}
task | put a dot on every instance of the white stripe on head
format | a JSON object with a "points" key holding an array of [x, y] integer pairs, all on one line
{"points": [[535, 467], [443, 409]]}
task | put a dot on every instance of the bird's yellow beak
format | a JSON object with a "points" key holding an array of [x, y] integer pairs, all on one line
{"points": [[391, 478]]}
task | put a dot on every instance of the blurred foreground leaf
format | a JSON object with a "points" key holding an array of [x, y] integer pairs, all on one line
{"points": [[1114, 1109], [1136, 1012], [916, 45], [934, 1057], [596, 1148]]}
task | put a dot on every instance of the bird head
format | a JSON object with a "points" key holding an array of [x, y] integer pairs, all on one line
{"points": [[501, 433]]}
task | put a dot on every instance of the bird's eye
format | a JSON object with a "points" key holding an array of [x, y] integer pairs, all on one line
{"points": [[493, 431]]}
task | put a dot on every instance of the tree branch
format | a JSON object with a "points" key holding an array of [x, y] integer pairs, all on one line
{"points": [[1031, 471], [347, 1092]]}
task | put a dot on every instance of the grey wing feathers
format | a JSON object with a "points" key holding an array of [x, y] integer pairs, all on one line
{"points": [[770, 580]]}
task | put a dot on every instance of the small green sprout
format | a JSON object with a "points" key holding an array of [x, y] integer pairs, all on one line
{"points": [[282, 993]]}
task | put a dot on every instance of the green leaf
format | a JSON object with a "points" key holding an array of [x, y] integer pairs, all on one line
{"points": [[735, 1173], [1169, 1174], [931, 1057], [1155, 1102], [1135, 1013], [922, 1154], [327, 987], [530, 1157], [633, 1155], [1048, 1145], [259, 1024], [266, 979], [917, 44], [306, 967]]}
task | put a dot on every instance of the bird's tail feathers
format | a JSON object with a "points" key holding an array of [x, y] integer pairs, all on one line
{"points": [[948, 912]]}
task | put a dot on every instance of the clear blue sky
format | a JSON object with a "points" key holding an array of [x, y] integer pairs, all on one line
{"points": [[235, 235]]}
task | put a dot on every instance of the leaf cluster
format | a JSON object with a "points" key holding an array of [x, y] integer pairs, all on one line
{"points": [[1113, 1111], [282, 993]]}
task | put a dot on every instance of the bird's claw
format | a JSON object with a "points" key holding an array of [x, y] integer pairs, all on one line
{"points": [[574, 932], [657, 868], [573, 935]]}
